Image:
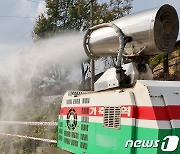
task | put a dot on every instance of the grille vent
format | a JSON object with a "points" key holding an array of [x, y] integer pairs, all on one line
{"points": [[166, 27], [60, 137], [83, 145], [66, 140], [60, 131], [85, 100], [61, 117], [67, 133], [74, 135], [84, 119], [76, 101], [112, 116], [84, 127], [69, 101], [60, 124], [74, 143], [70, 93], [84, 137], [85, 110]]}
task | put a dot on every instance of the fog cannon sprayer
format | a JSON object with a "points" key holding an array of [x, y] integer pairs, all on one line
{"points": [[141, 34]]}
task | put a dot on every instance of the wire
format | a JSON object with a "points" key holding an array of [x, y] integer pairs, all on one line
{"points": [[30, 123], [36, 1], [16, 17], [29, 137], [23, 35]]}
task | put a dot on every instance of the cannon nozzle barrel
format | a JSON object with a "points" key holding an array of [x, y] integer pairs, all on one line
{"points": [[152, 31]]}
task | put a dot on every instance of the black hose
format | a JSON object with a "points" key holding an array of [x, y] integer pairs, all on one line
{"points": [[117, 30], [122, 42]]}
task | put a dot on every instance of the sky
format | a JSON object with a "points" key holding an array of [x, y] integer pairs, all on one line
{"points": [[18, 17]]}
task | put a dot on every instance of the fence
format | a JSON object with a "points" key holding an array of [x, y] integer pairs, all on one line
{"points": [[29, 123]]}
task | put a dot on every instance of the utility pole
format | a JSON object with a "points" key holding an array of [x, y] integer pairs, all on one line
{"points": [[166, 64], [92, 63]]}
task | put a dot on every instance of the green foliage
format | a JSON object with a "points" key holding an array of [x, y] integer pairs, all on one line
{"points": [[77, 16], [120, 8], [155, 60], [63, 15]]}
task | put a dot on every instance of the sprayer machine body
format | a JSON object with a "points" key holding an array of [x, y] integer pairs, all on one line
{"points": [[129, 121], [128, 112]]}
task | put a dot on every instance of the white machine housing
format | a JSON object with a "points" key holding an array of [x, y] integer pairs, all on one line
{"points": [[109, 79]]}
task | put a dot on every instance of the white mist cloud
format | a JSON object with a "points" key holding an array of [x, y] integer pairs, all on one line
{"points": [[18, 70], [65, 50], [41, 8]]}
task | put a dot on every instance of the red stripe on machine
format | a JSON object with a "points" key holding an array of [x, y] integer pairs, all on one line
{"points": [[140, 112], [173, 112], [158, 112], [152, 113], [84, 111]]}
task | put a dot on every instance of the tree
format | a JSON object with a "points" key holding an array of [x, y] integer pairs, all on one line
{"points": [[72, 15], [120, 8], [63, 15]]}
